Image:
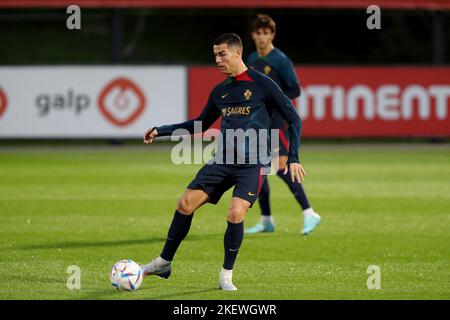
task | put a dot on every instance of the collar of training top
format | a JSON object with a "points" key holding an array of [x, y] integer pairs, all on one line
{"points": [[243, 77]]}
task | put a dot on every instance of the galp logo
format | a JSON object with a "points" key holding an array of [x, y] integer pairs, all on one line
{"points": [[121, 101], [3, 102]]}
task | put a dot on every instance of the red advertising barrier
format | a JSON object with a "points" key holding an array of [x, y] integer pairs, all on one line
{"points": [[358, 101]]}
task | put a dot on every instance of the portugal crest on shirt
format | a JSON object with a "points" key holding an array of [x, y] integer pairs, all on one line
{"points": [[247, 94], [267, 70]]}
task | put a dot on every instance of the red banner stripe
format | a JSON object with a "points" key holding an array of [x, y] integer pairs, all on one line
{"points": [[358, 101]]}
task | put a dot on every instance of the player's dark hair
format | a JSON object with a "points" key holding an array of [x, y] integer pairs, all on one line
{"points": [[263, 21], [231, 39]]}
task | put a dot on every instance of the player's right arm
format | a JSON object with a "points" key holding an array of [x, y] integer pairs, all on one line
{"points": [[208, 116]]}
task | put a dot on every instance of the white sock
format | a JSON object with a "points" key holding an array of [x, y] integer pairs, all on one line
{"points": [[226, 273], [162, 261], [267, 219], [308, 212]]}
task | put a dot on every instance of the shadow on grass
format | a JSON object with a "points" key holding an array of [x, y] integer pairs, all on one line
{"points": [[106, 294], [178, 295], [32, 278], [112, 243]]}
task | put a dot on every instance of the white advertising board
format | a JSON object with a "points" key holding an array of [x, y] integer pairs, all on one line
{"points": [[89, 101]]}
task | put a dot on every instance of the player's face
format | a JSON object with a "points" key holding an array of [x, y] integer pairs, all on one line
{"points": [[227, 58], [263, 38]]}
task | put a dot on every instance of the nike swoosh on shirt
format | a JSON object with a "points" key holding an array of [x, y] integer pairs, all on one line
{"points": [[251, 194], [224, 95]]}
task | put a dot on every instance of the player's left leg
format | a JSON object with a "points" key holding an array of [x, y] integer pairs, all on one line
{"points": [[311, 218], [232, 240], [248, 182]]}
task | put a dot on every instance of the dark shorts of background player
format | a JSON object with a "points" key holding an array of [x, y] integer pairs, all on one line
{"points": [[216, 179]]}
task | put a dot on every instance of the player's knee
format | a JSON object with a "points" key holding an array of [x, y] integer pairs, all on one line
{"points": [[185, 206], [236, 214]]}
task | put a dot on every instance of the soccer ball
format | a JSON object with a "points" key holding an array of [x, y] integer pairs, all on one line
{"points": [[126, 275]]}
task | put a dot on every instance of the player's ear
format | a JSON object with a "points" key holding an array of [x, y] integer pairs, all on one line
{"points": [[238, 51]]}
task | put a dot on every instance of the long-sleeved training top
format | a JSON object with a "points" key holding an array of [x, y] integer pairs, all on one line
{"points": [[245, 102]]}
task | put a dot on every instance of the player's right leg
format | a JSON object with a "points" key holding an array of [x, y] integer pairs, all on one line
{"points": [[190, 201]]}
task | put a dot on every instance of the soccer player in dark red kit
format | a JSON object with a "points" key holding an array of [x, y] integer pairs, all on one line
{"points": [[275, 64], [245, 101]]}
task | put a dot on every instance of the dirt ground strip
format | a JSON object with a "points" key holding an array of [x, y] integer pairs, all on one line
{"points": [[167, 147]]}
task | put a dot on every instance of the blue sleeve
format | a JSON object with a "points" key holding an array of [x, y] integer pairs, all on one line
{"points": [[289, 79], [208, 116], [283, 105]]}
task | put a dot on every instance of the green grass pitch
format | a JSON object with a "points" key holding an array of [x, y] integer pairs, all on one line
{"points": [[383, 206]]}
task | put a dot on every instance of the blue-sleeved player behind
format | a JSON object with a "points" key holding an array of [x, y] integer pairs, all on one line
{"points": [[245, 101], [274, 63]]}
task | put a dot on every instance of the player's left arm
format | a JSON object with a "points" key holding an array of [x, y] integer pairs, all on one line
{"points": [[283, 105]]}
